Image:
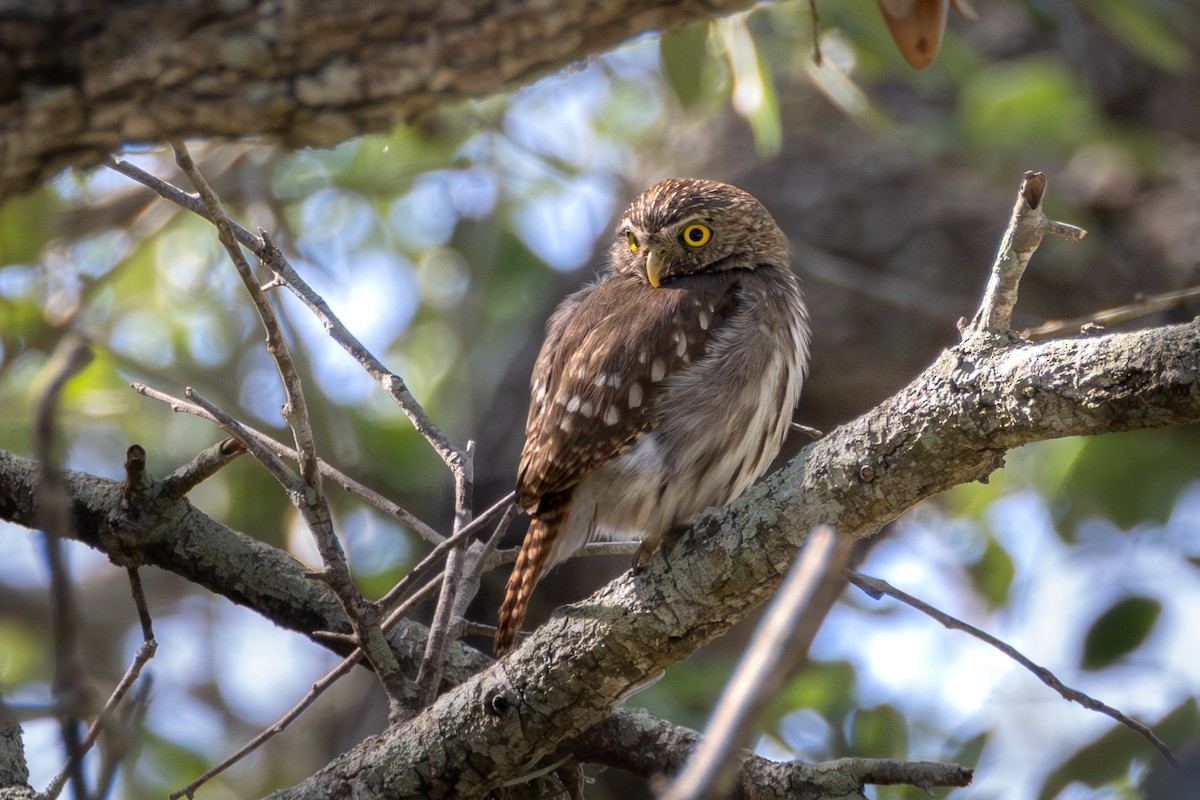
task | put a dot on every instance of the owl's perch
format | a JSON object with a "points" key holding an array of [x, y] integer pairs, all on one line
{"points": [[951, 425]]}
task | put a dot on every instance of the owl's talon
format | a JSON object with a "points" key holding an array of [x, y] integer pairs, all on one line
{"points": [[640, 557]]}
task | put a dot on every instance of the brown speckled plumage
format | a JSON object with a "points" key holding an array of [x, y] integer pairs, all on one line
{"points": [[652, 402]]}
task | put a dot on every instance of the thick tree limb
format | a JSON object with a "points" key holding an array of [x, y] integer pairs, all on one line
{"points": [[951, 425], [81, 80]]}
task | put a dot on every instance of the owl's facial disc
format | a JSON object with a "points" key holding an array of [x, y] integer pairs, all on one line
{"points": [[671, 251]]}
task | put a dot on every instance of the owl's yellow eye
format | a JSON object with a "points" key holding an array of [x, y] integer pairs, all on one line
{"points": [[696, 235], [633, 245]]}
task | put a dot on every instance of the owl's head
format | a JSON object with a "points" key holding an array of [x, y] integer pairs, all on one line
{"points": [[684, 226]]}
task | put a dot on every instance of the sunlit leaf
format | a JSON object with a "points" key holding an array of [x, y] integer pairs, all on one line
{"points": [[684, 55], [1119, 631], [993, 573], [1031, 104], [1131, 478], [1108, 758], [879, 732], [754, 95], [1150, 36]]}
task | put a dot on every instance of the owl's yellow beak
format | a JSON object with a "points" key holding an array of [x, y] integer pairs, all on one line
{"points": [[654, 266]]}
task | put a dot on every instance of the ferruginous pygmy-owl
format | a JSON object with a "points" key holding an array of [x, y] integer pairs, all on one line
{"points": [[666, 387]]}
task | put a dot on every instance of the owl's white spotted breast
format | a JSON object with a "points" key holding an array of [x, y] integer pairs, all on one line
{"points": [[717, 423]]}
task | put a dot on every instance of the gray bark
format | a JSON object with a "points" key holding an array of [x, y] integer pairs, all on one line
{"points": [[951, 425], [79, 80]]}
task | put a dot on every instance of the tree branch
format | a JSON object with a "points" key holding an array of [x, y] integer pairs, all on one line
{"points": [[779, 646], [951, 425], [876, 588], [81, 80]]}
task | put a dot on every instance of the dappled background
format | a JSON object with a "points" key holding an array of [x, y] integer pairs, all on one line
{"points": [[444, 245]]}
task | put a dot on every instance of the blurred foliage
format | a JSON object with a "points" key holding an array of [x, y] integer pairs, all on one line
{"points": [[1119, 631], [443, 244], [1160, 465], [1117, 758]]}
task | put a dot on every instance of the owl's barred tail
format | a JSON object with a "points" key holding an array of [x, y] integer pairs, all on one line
{"points": [[534, 555]]}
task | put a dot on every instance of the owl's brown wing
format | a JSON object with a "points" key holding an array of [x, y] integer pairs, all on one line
{"points": [[608, 350]]}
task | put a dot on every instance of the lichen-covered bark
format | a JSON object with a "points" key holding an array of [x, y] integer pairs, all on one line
{"points": [[80, 80], [951, 425]]}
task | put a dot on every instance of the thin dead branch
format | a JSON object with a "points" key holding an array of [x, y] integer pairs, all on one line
{"points": [[877, 588], [328, 471], [429, 676], [1026, 229], [1140, 307], [779, 646], [206, 464], [69, 685]]}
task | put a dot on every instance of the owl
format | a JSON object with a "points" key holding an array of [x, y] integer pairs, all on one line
{"points": [[664, 388]]}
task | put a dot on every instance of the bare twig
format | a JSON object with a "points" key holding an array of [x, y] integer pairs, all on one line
{"points": [[139, 601], [269, 254], [391, 383], [256, 447], [70, 688], [362, 615], [877, 588], [352, 486], [145, 652], [479, 559], [295, 410], [1114, 316], [779, 646], [307, 496], [1026, 228], [429, 676], [121, 735], [192, 202], [810, 432], [318, 688], [69, 685], [135, 466], [508, 555], [505, 505], [201, 468]]}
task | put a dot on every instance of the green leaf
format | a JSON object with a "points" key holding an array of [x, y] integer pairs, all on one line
{"points": [[26, 223], [1119, 631], [1131, 478], [1037, 105], [25, 659], [684, 54], [879, 732], [826, 687], [1145, 33], [754, 97], [969, 751], [1108, 758], [993, 573]]}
